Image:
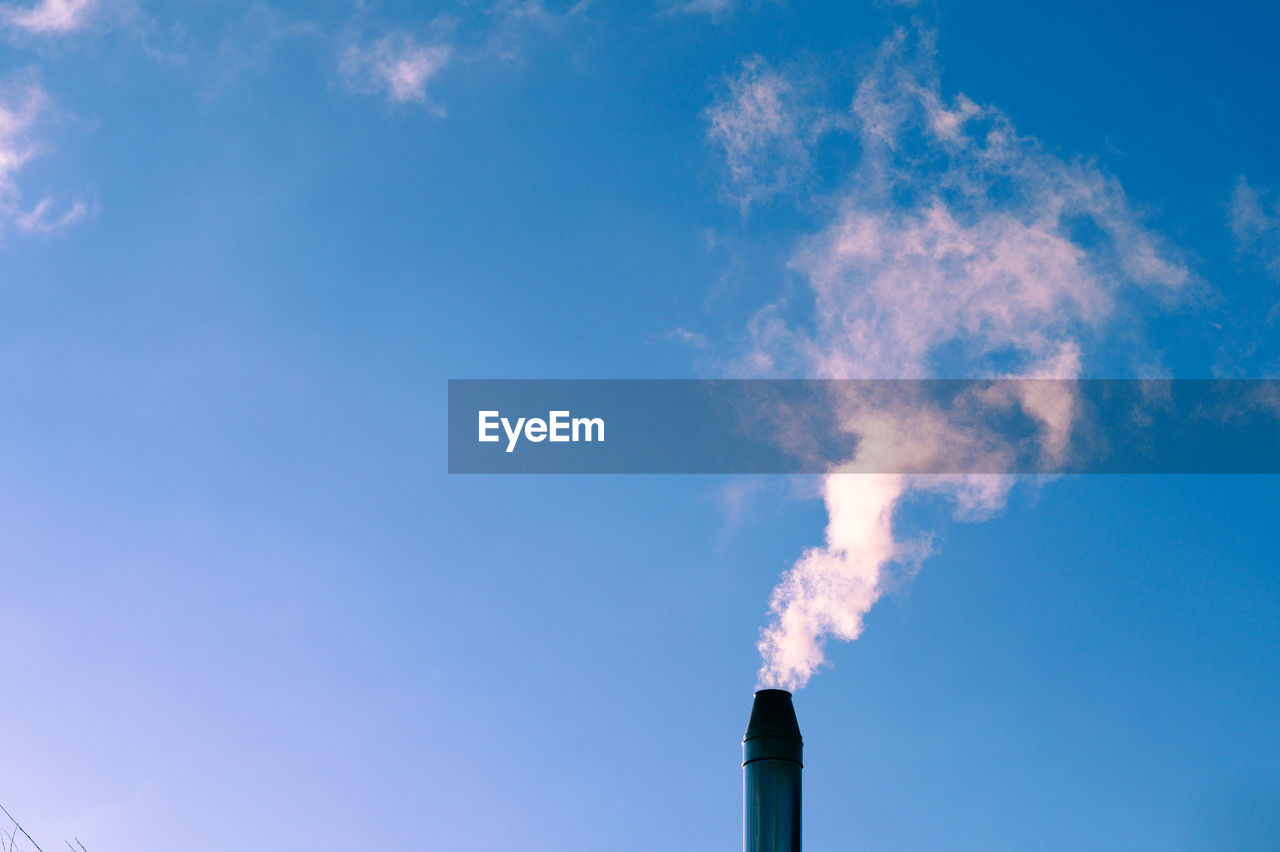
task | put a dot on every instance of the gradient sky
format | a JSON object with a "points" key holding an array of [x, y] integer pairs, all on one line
{"points": [[245, 245]]}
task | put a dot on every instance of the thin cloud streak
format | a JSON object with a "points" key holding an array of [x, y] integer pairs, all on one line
{"points": [[43, 218]]}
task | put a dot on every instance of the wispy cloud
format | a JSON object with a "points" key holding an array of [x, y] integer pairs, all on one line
{"points": [[956, 247], [402, 65], [1255, 224], [398, 65], [764, 126], [685, 337], [49, 17], [22, 104], [514, 26], [48, 216]]}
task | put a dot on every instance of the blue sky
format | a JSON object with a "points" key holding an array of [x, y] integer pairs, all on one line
{"points": [[245, 245]]}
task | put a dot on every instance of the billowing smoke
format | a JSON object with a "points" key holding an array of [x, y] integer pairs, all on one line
{"points": [[957, 248]]}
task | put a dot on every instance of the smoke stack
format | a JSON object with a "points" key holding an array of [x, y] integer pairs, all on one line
{"points": [[771, 764]]}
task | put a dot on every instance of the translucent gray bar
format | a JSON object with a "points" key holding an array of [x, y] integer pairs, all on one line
{"points": [[945, 426]]}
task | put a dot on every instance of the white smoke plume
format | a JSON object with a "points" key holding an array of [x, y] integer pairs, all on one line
{"points": [[957, 248]]}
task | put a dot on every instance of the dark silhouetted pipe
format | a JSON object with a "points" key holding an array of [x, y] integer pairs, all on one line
{"points": [[771, 764]]}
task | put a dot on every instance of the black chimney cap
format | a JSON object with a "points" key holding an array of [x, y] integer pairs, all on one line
{"points": [[773, 715]]}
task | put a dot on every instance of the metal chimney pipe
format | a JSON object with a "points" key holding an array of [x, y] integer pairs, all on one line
{"points": [[771, 764]]}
